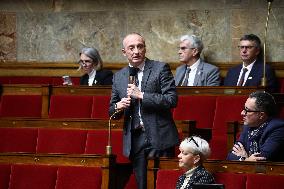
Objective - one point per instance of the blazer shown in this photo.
(254, 78)
(271, 141)
(159, 98)
(206, 75)
(103, 77)
(200, 175)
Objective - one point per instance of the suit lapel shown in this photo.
(97, 78)
(146, 73)
(180, 75)
(198, 74)
(255, 71)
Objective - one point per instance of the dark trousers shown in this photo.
(140, 155)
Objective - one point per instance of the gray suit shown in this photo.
(206, 75)
(158, 99)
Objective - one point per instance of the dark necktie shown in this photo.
(185, 78)
(242, 77)
(135, 103)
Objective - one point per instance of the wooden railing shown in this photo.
(14, 68)
(216, 166)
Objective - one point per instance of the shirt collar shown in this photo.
(195, 65)
(249, 67)
(92, 74)
(141, 66)
(190, 172)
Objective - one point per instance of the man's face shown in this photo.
(186, 53)
(86, 63)
(251, 116)
(248, 51)
(134, 49)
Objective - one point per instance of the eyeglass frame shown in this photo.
(85, 62)
(249, 47)
(246, 110)
(185, 48)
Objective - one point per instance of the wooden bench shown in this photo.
(215, 167)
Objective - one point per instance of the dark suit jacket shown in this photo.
(159, 97)
(200, 175)
(255, 74)
(103, 77)
(271, 142)
(206, 75)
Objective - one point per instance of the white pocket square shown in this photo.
(250, 78)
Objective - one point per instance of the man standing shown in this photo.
(194, 71)
(262, 134)
(146, 102)
(250, 72)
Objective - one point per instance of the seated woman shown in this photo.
(92, 65)
(193, 152)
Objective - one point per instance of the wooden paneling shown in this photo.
(10, 68)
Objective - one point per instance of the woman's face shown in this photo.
(86, 63)
(187, 160)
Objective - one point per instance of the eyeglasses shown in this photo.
(192, 139)
(84, 62)
(245, 47)
(184, 48)
(246, 110)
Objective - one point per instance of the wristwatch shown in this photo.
(242, 158)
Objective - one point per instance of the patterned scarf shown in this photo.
(254, 136)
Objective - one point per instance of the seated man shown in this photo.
(262, 137)
(194, 71)
(193, 152)
(250, 72)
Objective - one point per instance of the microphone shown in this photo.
(263, 79)
(132, 74)
(109, 147)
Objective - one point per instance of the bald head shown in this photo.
(134, 49)
(132, 36)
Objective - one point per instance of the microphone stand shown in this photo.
(263, 79)
(109, 147)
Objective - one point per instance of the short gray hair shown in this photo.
(194, 41)
(198, 146)
(94, 55)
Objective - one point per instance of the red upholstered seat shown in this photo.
(198, 108)
(68, 106)
(281, 85)
(231, 180)
(79, 177)
(33, 177)
(100, 107)
(97, 141)
(61, 141)
(31, 80)
(167, 179)
(255, 181)
(228, 108)
(21, 106)
(18, 139)
(4, 80)
(5, 171)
